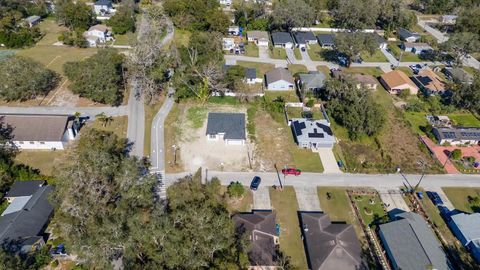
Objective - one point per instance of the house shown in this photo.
(282, 40)
(327, 41)
(261, 228)
(251, 76)
(381, 41)
(228, 44)
(303, 39)
(103, 7)
(457, 135)
(98, 34)
(411, 245)
(408, 36)
(279, 79)
(312, 134)
(466, 227)
(33, 20)
(23, 189)
(367, 81)
(330, 246)
(225, 2)
(396, 81)
(448, 19)
(458, 75)
(227, 126)
(41, 131)
(22, 229)
(259, 38)
(429, 82)
(234, 30)
(312, 81)
(416, 48)
(439, 120)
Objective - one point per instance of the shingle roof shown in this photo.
(36, 127)
(312, 79)
(25, 188)
(330, 246)
(468, 224)
(258, 35)
(232, 124)
(412, 244)
(404, 33)
(326, 39)
(251, 73)
(278, 74)
(396, 78)
(281, 38)
(303, 37)
(99, 27)
(428, 79)
(103, 3)
(379, 38)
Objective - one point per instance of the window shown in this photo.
(32, 142)
(42, 142)
(212, 136)
(20, 142)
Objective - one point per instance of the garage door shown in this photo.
(234, 142)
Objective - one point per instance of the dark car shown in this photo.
(255, 183)
(434, 197)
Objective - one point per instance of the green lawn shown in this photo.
(196, 116)
(278, 53)
(125, 39)
(459, 198)
(374, 71)
(305, 159)
(50, 30)
(316, 52)
(294, 69)
(324, 69)
(464, 119)
(298, 54)
(416, 120)
(406, 56)
(251, 50)
(286, 206)
(118, 125)
(260, 67)
(408, 71)
(288, 96)
(378, 56)
(370, 211)
(44, 160)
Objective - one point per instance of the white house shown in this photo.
(98, 34)
(228, 44)
(449, 19)
(260, 38)
(229, 127)
(282, 40)
(251, 76)
(103, 7)
(37, 132)
(225, 2)
(312, 134)
(234, 30)
(279, 79)
(33, 20)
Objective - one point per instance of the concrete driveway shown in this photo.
(442, 195)
(328, 160)
(261, 198)
(393, 199)
(307, 199)
(263, 52)
(290, 55)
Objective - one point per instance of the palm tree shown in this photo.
(104, 119)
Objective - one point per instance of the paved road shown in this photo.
(157, 154)
(85, 111)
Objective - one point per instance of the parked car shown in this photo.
(291, 171)
(434, 197)
(255, 183)
(303, 49)
(420, 195)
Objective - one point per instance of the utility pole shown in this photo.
(278, 175)
(174, 154)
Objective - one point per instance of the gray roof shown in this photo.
(281, 38)
(30, 221)
(304, 37)
(313, 131)
(278, 74)
(326, 39)
(459, 75)
(232, 124)
(380, 40)
(36, 127)
(261, 226)
(103, 3)
(313, 80)
(468, 224)
(251, 73)
(404, 33)
(25, 188)
(17, 204)
(33, 19)
(330, 246)
(258, 35)
(412, 244)
(457, 133)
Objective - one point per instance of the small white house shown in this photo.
(36, 132)
(449, 19)
(251, 76)
(229, 127)
(279, 79)
(225, 2)
(103, 7)
(98, 34)
(259, 38)
(234, 30)
(228, 44)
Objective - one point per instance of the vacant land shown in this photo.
(45, 161)
(117, 125)
(278, 53)
(50, 30)
(181, 37)
(461, 198)
(260, 67)
(238, 205)
(286, 206)
(374, 71)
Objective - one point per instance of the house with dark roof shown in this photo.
(466, 227)
(312, 81)
(260, 227)
(416, 48)
(303, 39)
(407, 35)
(103, 7)
(33, 20)
(326, 41)
(457, 135)
(229, 127)
(282, 40)
(330, 246)
(279, 79)
(251, 76)
(458, 75)
(41, 131)
(23, 188)
(411, 245)
(23, 230)
(312, 134)
(381, 41)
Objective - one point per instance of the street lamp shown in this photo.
(175, 147)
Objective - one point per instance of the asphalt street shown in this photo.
(84, 111)
(157, 154)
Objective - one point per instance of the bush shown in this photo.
(456, 154)
(235, 190)
(310, 103)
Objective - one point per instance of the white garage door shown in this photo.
(234, 142)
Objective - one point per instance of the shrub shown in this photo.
(456, 154)
(235, 189)
(310, 103)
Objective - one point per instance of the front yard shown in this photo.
(251, 50)
(406, 56)
(45, 161)
(377, 56)
(316, 52)
(260, 67)
(278, 53)
(463, 198)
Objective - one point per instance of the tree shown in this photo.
(24, 79)
(352, 44)
(235, 190)
(74, 15)
(73, 38)
(99, 77)
(467, 96)
(393, 15)
(292, 13)
(124, 19)
(469, 20)
(356, 14)
(456, 154)
(203, 15)
(461, 44)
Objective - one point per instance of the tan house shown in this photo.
(259, 38)
(396, 82)
(367, 81)
(430, 82)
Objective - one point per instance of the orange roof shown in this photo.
(397, 78)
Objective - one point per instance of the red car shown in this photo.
(291, 171)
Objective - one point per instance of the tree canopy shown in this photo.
(124, 19)
(22, 78)
(461, 44)
(356, 14)
(352, 44)
(468, 95)
(99, 77)
(14, 33)
(292, 13)
(74, 15)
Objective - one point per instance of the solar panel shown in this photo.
(449, 135)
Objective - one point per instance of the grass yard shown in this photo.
(317, 53)
(172, 132)
(416, 121)
(51, 31)
(125, 39)
(286, 206)
(44, 160)
(288, 96)
(196, 116)
(260, 67)
(324, 69)
(459, 198)
(251, 50)
(406, 56)
(238, 205)
(295, 68)
(305, 159)
(150, 111)
(374, 71)
(298, 54)
(118, 126)
(370, 207)
(408, 71)
(378, 56)
(278, 53)
(466, 120)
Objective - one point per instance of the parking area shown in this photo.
(393, 199)
(443, 196)
(307, 198)
(328, 160)
(261, 198)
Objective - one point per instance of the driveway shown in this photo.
(393, 199)
(263, 52)
(307, 199)
(442, 195)
(390, 57)
(328, 160)
(290, 55)
(261, 198)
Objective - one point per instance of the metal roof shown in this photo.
(312, 79)
(231, 124)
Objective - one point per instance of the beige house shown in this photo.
(260, 38)
(396, 82)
